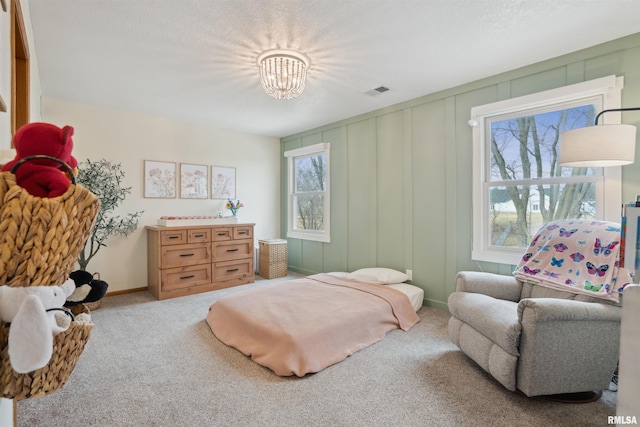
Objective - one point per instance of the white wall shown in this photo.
(130, 138)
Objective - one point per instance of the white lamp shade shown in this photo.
(598, 146)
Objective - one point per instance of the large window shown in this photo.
(308, 188)
(518, 184)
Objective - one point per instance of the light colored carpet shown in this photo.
(156, 363)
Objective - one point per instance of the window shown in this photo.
(517, 183)
(308, 190)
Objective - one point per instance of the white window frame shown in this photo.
(606, 91)
(291, 155)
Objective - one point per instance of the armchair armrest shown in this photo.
(566, 346)
(494, 285)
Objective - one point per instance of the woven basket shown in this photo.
(95, 304)
(67, 348)
(40, 241)
(41, 238)
(273, 258)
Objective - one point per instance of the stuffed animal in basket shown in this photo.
(87, 289)
(35, 319)
(43, 177)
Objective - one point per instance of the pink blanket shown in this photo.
(578, 256)
(304, 325)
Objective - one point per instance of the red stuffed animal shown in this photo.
(43, 177)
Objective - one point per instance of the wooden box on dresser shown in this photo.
(188, 260)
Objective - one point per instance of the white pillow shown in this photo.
(380, 275)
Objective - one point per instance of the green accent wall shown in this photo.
(401, 182)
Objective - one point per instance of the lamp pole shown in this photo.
(614, 109)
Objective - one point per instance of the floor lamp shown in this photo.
(599, 145)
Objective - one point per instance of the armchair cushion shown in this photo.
(494, 318)
(557, 310)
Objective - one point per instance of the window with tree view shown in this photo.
(522, 184)
(527, 187)
(309, 192)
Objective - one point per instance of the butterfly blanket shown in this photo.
(578, 256)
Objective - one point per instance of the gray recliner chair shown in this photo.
(538, 340)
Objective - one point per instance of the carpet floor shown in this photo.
(156, 363)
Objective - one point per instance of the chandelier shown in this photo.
(283, 72)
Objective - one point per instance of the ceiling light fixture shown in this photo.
(283, 72)
(598, 145)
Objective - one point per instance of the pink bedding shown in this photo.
(302, 326)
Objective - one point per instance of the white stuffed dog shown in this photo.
(32, 327)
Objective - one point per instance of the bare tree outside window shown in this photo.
(309, 192)
(310, 184)
(518, 184)
(527, 187)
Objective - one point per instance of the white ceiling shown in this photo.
(194, 60)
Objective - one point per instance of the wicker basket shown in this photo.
(95, 304)
(273, 258)
(41, 238)
(67, 348)
(40, 241)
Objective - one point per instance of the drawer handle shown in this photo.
(232, 250)
(222, 234)
(187, 277)
(174, 237)
(198, 235)
(242, 232)
(187, 254)
(232, 270)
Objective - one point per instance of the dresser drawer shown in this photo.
(236, 249)
(184, 277)
(184, 260)
(230, 270)
(243, 232)
(173, 237)
(184, 255)
(221, 234)
(199, 235)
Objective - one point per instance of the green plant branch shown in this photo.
(104, 179)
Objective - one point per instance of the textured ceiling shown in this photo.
(194, 60)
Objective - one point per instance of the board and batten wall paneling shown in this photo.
(361, 205)
(416, 157)
(430, 217)
(334, 254)
(390, 130)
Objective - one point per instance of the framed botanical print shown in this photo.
(223, 182)
(159, 179)
(194, 181)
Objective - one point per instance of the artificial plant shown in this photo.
(104, 179)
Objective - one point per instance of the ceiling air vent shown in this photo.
(377, 91)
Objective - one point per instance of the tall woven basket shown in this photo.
(40, 241)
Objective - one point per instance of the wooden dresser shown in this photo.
(188, 260)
